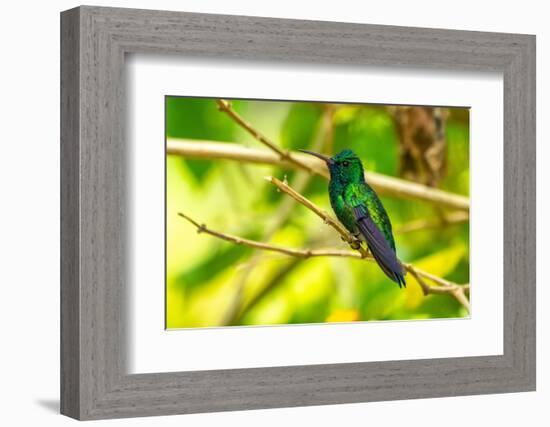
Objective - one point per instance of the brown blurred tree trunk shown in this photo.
(423, 147)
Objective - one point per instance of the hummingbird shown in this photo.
(360, 210)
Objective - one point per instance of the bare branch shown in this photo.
(383, 184)
(457, 217)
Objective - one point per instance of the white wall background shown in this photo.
(29, 224)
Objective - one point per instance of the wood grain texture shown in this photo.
(95, 238)
(70, 292)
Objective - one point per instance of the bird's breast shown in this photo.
(342, 211)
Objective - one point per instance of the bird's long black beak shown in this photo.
(327, 160)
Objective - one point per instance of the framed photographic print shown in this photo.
(262, 213)
(409, 141)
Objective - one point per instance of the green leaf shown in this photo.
(197, 118)
(371, 134)
(221, 258)
(300, 125)
(440, 264)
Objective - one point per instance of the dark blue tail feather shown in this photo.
(383, 254)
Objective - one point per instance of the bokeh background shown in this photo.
(210, 282)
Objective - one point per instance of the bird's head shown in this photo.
(345, 167)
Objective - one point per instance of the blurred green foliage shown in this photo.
(210, 282)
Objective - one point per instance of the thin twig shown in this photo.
(300, 253)
(327, 219)
(225, 106)
(436, 279)
(384, 185)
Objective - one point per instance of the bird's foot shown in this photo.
(356, 243)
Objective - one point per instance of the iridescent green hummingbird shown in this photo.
(359, 209)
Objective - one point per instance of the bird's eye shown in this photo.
(345, 163)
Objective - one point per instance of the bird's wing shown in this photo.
(378, 245)
(380, 217)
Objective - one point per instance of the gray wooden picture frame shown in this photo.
(94, 381)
